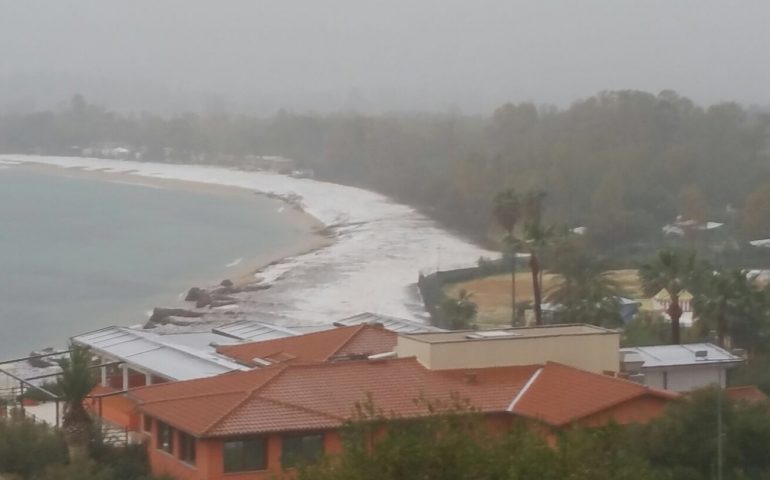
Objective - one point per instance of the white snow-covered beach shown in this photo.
(373, 264)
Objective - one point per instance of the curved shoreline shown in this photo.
(246, 267)
(372, 265)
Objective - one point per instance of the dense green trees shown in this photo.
(585, 291)
(454, 443)
(622, 163)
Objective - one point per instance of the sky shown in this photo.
(377, 55)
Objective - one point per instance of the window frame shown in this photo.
(162, 430)
(244, 455)
(187, 444)
(303, 458)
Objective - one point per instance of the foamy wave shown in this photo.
(234, 262)
(372, 266)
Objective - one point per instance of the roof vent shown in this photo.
(701, 354)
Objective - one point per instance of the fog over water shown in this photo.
(259, 56)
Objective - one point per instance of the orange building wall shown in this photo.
(209, 454)
(209, 458)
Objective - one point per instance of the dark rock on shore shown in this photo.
(204, 298)
(193, 294)
(227, 283)
(254, 287)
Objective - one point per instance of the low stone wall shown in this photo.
(431, 285)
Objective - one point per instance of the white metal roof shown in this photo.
(394, 324)
(255, 331)
(681, 355)
(152, 353)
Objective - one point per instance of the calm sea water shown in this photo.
(78, 254)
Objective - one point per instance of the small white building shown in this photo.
(680, 368)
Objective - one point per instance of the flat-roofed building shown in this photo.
(680, 368)
(586, 347)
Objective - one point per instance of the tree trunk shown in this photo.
(721, 330)
(513, 289)
(534, 266)
(76, 427)
(675, 312)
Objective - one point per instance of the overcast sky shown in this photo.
(376, 55)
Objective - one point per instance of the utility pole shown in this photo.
(719, 429)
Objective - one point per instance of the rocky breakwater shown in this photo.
(204, 302)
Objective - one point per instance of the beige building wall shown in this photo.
(594, 352)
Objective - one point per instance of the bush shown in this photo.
(27, 448)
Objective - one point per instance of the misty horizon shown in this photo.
(375, 56)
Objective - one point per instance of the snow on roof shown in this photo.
(394, 324)
(152, 353)
(680, 355)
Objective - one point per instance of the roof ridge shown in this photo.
(523, 390)
(300, 407)
(640, 390)
(249, 395)
(189, 397)
(356, 331)
(277, 369)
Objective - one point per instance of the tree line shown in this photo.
(456, 443)
(621, 163)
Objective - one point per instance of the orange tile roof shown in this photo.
(559, 395)
(747, 393)
(323, 395)
(320, 346)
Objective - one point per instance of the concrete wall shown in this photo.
(686, 378)
(592, 352)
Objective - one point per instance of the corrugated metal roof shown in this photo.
(152, 353)
(255, 331)
(680, 355)
(394, 324)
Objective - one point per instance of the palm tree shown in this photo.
(727, 301)
(672, 271)
(586, 291)
(507, 211)
(75, 383)
(537, 238)
(459, 312)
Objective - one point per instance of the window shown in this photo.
(301, 449)
(245, 455)
(165, 438)
(147, 424)
(187, 448)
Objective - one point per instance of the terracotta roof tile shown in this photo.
(747, 393)
(263, 415)
(323, 395)
(315, 347)
(560, 394)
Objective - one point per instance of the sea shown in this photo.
(78, 254)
